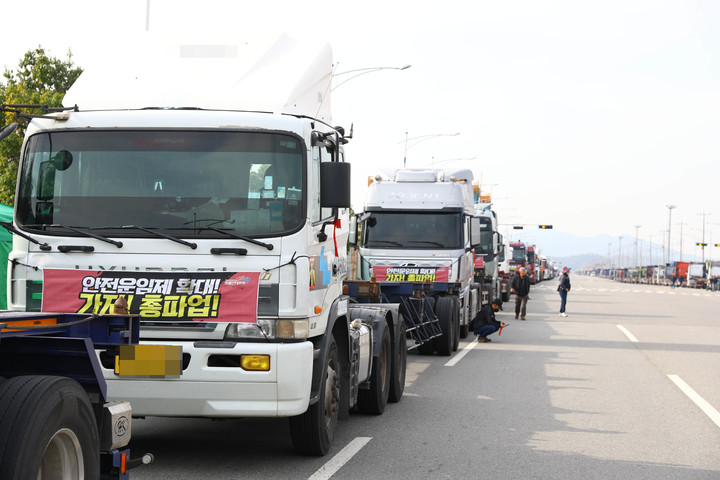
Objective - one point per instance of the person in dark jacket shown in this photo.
(520, 286)
(563, 289)
(485, 324)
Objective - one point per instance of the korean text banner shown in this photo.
(175, 296)
(411, 274)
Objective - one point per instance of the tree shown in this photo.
(39, 79)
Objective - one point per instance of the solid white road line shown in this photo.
(340, 459)
(458, 356)
(627, 333)
(708, 409)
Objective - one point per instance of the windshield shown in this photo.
(518, 255)
(245, 183)
(413, 230)
(486, 237)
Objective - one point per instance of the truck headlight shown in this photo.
(293, 329)
(271, 329)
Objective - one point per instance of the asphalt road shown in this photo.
(625, 387)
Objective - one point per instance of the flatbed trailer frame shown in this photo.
(46, 359)
(417, 305)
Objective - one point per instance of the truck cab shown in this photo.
(417, 226)
(489, 251)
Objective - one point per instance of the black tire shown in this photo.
(374, 399)
(312, 432)
(47, 427)
(447, 314)
(428, 347)
(398, 368)
(456, 335)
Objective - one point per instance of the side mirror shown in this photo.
(7, 130)
(352, 238)
(335, 185)
(46, 183)
(474, 231)
(62, 160)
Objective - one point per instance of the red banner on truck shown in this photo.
(411, 274)
(186, 296)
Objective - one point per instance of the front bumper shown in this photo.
(208, 391)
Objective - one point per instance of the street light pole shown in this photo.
(422, 138)
(670, 209)
(637, 227)
(363, 71)
(703, 235)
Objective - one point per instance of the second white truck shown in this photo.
(418, 225)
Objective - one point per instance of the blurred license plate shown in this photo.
(149, 360)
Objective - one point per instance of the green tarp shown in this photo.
(6, 215)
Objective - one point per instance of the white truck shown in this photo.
(418, 225)
(209, 190)
(696, 277)
(487, 253)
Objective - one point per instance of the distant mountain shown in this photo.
(578, 262)
(577, 252)
(559, 244)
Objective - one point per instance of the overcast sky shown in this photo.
(590, 116)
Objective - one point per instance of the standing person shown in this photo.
(484, 323)
(520, 286)
(564, 288)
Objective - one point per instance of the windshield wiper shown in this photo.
(233, 235)
(80, 231)
(10, 228)
(160, 234)
(397, 244)
(437, 244)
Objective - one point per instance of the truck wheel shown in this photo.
(47, 430)
(312, 432)
(447, 314)
(456, 336)
(374, 399)
(399, 364)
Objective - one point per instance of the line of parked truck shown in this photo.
(224, 226)
(678, 274)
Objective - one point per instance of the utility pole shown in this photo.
(620, 252)
(681, 235)
(703, 235)
(670, 209)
